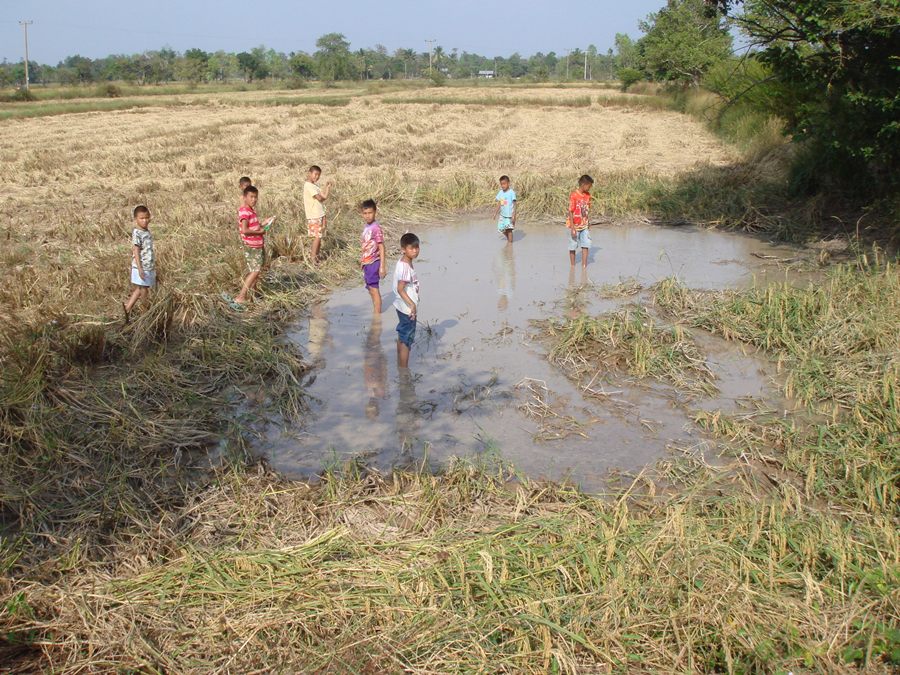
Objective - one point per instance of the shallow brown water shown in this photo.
(476, 362)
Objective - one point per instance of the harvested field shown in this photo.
(122, 549)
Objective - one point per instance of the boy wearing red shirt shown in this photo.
(253, 235)
(578, 220)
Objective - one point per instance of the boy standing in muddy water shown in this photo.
(505, 214)
(314, 206)
(372, 257)
(406, 297)
(578, 220)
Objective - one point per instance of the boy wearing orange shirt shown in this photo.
(578, 220)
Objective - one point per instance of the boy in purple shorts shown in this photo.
(372, 258)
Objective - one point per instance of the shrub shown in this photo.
(628, 76)
(109, 90)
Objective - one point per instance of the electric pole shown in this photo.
(585, 66)
(25, 25)
(430, 44)
(568, 52)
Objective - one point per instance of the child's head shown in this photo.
(504, 183)
(585, 183)
(141, 216)
(368, 209)
(244, 183)
(251, 195)
(313, 174)
(409, 244)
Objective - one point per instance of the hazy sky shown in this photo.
(97, 28)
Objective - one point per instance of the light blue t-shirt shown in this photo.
(506, 199)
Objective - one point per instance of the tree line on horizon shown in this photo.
(333, 60)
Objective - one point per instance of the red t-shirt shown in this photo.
(251, 240)
(580, 209)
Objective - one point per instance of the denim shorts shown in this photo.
(582, 239)
(406, 329)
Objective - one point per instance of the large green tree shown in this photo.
(838, 66)
(333, 58)
(684, 40)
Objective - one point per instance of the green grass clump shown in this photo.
(630, 341)
(837, 343)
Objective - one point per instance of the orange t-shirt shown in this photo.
(579, 209)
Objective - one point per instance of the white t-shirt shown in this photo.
(405, 272)
(313, 207)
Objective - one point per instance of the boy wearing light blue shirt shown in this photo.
(506, 209)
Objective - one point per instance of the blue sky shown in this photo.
(95, 28)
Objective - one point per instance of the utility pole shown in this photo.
(430, 44)
(568, 52)
(585, 66)
(25, 25)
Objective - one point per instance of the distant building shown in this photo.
(487, 74)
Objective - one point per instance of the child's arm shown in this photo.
(401, 291)
(515, 211)
(496, 209)
(382, 270)
(246, 229)
(136, 255)
(323, 195)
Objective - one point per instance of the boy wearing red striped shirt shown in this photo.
(253, 235)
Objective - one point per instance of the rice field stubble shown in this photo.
(117, 555)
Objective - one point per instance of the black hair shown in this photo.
(315, 167)
(585, 180)
(409, 239)
(250, 190)
(368, 204)
(245, 180)
(140, 208)
(504, 177)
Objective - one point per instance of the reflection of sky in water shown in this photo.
(478, 297)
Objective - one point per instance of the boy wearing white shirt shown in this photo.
(406, 297)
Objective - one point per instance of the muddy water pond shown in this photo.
(479, 379)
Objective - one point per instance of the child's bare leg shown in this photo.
(584, 258)
(249, 284)
(316, 245)
(572, 258)
(376, 300)
(509, 235)
(402, 355)
(138, 293)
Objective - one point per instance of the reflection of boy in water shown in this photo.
(505, 277)
(318, 333)
(406, 410)
(374, 368)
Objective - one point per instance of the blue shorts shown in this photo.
(582, 239)
(406, 329)
(504, 223)
(148, 281)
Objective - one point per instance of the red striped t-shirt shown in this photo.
(251, 240)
